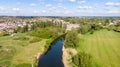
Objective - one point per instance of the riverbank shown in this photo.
(65, 57)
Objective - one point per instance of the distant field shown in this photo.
(104, 46)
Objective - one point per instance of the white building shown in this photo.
(71, 26)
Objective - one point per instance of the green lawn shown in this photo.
(104, 46)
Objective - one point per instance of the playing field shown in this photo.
(104, 46)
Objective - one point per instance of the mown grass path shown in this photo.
(104, 46)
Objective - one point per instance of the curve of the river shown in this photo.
(53, 57)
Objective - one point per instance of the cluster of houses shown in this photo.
(8, 24)
(69, 26)
(114, 22)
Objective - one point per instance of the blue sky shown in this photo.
(60, 7)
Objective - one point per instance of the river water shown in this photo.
(53, 57)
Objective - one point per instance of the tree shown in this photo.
(71, 39)
(84, 28)
(18, 29)
(25, 29)
(82, 59)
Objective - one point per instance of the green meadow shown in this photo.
(20, 49)
(103, 46)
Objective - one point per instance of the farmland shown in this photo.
(103, 46)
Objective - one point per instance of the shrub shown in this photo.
(82, 60)
(92, 31)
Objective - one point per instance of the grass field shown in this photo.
(104, 46)
(18, 49)
(27, 55)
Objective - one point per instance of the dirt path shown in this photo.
(65, 57)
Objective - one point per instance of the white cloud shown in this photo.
(113, 11)
(16, 9)
(81, 1)
(67, 12)
(52, 9)
(1, 8)
(44, 11)
(4, 10)
(60, 6)
(36, 12)
(32, 4)
(49, 5)
(72, 0)
(84, 7)
(112, 4)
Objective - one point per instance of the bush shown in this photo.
(92, 31)
(82, 60)
(84, 28)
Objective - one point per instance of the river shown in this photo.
(53, 57)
